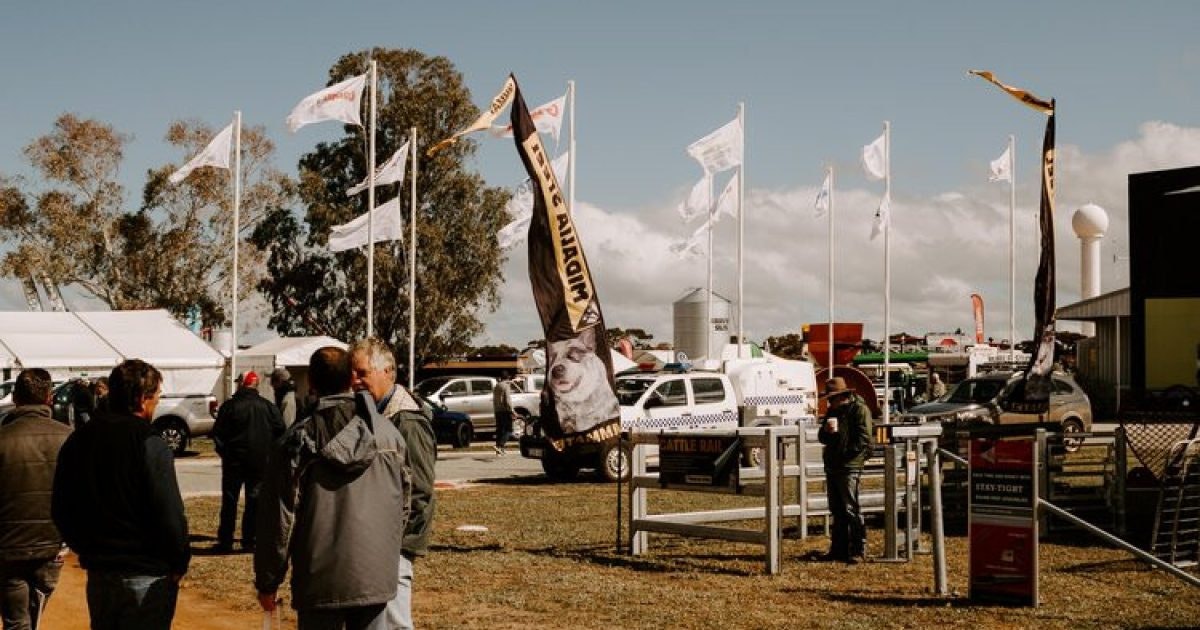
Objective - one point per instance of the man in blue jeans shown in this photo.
(116, 502)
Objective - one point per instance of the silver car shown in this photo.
(980, 398)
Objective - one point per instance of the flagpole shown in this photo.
(887, 271)
(741, 222)
(831, 206)
(371, 212)
(571, 147)
(708, 327)
(237, 202)
(412, 259)
(1012, 248)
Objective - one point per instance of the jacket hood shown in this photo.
(343, 431)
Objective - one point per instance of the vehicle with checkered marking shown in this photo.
(649, 402)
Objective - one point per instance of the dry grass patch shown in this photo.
(548, 560)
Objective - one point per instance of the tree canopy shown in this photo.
(458, 268)
(73, 225)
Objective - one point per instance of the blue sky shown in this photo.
(817, 80)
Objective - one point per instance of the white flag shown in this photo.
(727, 202)
(882, 217)
(822, 203)
(695, 244)
(721, 149)
(520, 206)
(874, 160)
(699, 200)
(215, 154)
(1002, 168)
(388, 227)
(389, 172)
(547, 119)
(336, 102)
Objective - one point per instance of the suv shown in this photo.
(472, 395)
(178, 418)
(649, 402)
(979, 399)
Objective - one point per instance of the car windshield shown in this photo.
(430, 386)
(629, 390)
(976, 391)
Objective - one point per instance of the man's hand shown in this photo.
(267, 601)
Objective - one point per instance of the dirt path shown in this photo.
(67, 609)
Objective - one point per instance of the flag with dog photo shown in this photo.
(579, 400)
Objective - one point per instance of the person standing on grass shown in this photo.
(31, 549)
(503, 411)
(846, 434)
(285, 394)
(246, 426)
(334, 504)
(116, 502)
(374, 370)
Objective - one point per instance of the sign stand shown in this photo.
(1003, 516)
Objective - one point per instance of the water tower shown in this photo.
(1089, 222)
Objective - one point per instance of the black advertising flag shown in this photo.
(579, 401)
(1034, 396)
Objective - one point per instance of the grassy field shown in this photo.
(548, 559)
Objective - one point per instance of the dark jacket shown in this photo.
(29, 443)
(247, 425)
(849, 448)
(334, 500)
(116, 500)
(421, 446)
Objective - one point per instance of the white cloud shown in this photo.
(943, 248)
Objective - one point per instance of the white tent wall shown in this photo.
(188, 364)
(70, 344)
(292, 353)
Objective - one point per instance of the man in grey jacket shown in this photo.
(335, 503)
(374, 370)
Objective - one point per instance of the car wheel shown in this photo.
(1071, 443)
(560, 468)
(463, 434)
(615, 462)
(174, 432)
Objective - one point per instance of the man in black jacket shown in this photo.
(246, 427)
(31, 548)
(117, 504)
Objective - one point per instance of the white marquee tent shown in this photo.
(91, 343)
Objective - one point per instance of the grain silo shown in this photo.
(690, 313)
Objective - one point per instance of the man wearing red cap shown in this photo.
(246, 427)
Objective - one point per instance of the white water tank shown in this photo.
(1090, 222)
(691, 335)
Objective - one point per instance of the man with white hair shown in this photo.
(374, 370)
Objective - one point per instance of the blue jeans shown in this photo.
(399, 610)
(123, 601)
(24, 588)
(358, 618)
(848, 536)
